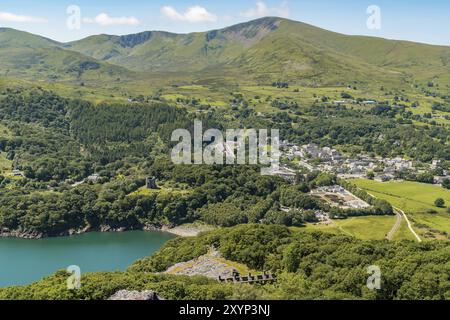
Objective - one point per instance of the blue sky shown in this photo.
(416, 20)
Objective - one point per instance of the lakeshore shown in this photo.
(23, 261)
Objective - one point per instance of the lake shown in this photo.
(24, 261)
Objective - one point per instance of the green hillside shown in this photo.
(258, 52)
(271, 48)
(15, 38)
(32, 57)
(262, 51)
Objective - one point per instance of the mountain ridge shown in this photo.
(269, 44)
(263, 50)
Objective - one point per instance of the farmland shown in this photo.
(366, 228)
(417, 200)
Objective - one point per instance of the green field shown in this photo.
(366, 228)
(144, 191)
(5, 164)
(416, 199)
(403, 233)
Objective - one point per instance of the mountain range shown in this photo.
(261, 50)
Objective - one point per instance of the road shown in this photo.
(396, 226)
(406, 218)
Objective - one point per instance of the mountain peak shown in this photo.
(271, 23)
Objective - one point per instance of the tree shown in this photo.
(291, 257)
(383, 206)
(440, 203)
(425, 178)
(446, 183)
(345, 95)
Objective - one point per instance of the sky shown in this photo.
(416, 20)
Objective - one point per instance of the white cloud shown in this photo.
(105, 20)
(11, 17)
(262, 10)
(193, 14)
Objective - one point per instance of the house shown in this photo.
(310, 150)
(384, 178)
(436, 164)
(93, 178)
(322, 216)
(440, 180)
(335, 156)
(17, 173)
(285, 173)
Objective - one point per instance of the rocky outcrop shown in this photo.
(135, 295)
(29, 234)
(210, 265)
(106, 228)
(20, 233)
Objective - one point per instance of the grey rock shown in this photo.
(135, 295)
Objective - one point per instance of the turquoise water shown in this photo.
(25, 261)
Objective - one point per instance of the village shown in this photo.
(326, 159)
(296, 160)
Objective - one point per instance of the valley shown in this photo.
(85, 145)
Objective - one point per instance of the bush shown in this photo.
(440, 203)
(446, 183)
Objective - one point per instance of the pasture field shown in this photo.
(366, 228)
(417, 200)
(403, 233)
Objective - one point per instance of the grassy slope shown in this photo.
(244, 57)
(32, 57)
(403, 233)
(366, 228)
(259, 51)
(415, 199)
(5, 164)
(270, 48)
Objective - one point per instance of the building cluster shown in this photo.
(311, 151)
(326, 159)
(337, 196)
